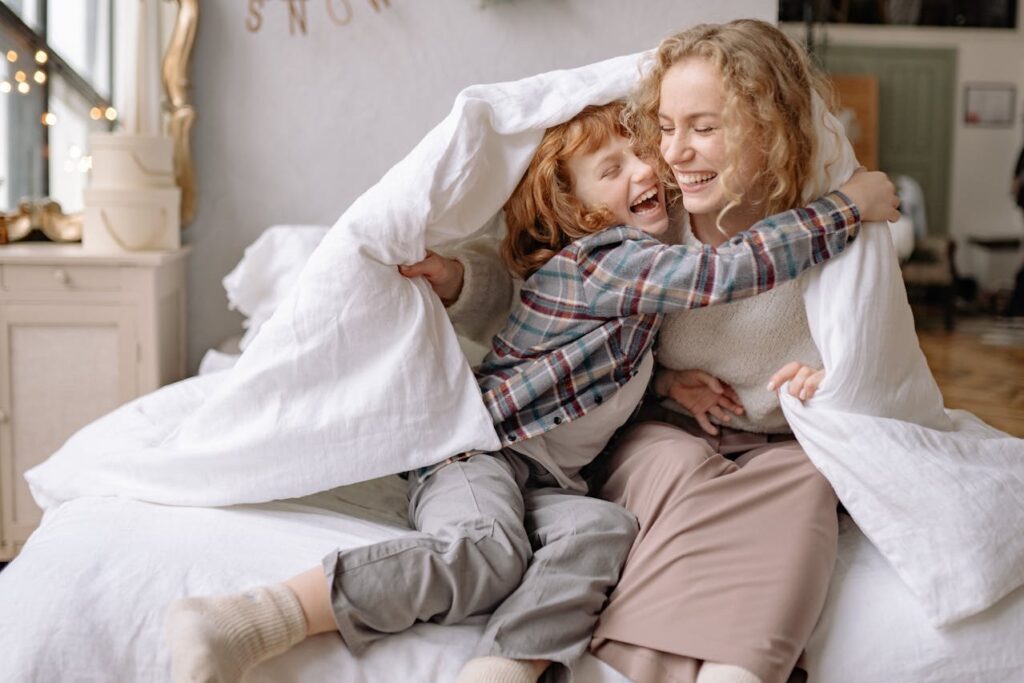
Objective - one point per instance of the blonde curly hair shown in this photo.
(768, 82)
(543, 215)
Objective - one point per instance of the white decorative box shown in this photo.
(132, 220)
(120, 160)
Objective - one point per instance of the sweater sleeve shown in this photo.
(644, 276)
(488, 290)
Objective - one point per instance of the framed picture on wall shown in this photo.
(989, 104)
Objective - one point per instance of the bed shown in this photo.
(85, 599)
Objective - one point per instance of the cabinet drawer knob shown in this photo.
(60, 276)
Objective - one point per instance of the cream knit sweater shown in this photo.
(742, 343)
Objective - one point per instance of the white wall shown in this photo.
(291, 129)
(982, 158)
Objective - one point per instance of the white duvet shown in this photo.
(358, 374)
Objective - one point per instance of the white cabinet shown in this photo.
(80, 334)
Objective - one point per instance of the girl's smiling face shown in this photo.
(615, 178)
(690, 115)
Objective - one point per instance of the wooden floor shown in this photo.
(980, 368)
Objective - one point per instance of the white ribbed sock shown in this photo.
(713, 672)
(215, 639)
(497, 670)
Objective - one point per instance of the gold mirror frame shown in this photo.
(174, 72)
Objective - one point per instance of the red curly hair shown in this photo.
(543, 214)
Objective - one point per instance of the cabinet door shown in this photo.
(61, 366)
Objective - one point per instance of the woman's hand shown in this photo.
(874, 195)
(445, 275)
(699, 393)
(803, 379)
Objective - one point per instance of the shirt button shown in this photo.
(558, 420)
(598, 400)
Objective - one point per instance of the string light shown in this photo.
(74, 152)
(85, 164)
(22, 84)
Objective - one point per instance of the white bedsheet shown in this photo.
(358, 372)
(873, 630)
(85, 599)
(268, 272)
(940, 493)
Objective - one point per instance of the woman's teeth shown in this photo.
(695, 178)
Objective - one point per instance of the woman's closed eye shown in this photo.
(609, 172)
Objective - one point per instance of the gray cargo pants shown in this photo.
(479, 521)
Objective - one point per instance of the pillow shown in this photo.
(268, 270)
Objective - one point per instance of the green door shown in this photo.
(916, 105)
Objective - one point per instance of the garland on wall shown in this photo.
(339, 12)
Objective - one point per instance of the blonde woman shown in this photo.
(735, 553)
(738, 530)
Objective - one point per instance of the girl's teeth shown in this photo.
(644, 197)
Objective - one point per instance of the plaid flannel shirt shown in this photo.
(584, 321)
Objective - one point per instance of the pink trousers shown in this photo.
(732, 562)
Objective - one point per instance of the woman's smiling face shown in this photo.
(693, 142)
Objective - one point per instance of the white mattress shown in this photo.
(85, 600)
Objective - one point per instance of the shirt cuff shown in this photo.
(843, 204)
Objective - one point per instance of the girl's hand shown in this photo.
(699, 393)
(445, 275)
(803, 379)
(874, 195)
